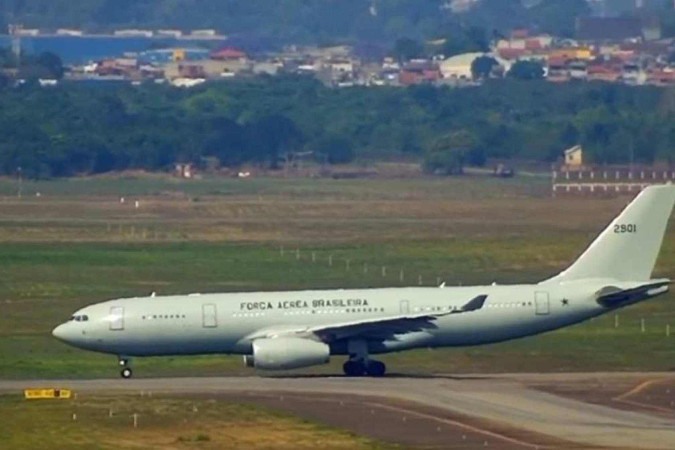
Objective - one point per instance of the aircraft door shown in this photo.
(209, 318)
(405, 307)
(116, 318)
(541, 303)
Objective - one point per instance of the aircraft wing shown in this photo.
(615, 297)
(373, 328)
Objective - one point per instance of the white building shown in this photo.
(459, 66)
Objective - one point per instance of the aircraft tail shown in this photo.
(627, 249)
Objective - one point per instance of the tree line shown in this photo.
(298, 20)
(80, 128)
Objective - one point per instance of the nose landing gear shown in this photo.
(126, 372)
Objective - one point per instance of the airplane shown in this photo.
(298, 329)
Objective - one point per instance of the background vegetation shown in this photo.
(82, 129)
(296, 20)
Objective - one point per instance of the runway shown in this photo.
(507, 400)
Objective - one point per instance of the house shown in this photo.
(132, 32)
(170, 33)
(604, 72)
(185, 170)
(68, 32)
(571, 53)
(459, 66)
(209, 68)
(557, 70)
(419, 71)
(574, 157)
(228, 54)
(661, 77)
(204, 33)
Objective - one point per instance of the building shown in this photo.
(69, 32)
(459, 66)
(574, 157)
(163, 56)
(132, 32)
(205, 69)
(228, 54)
(170, 33)
(418, 72)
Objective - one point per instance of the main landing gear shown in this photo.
(126, 371)
(359, 368)
(359, 364)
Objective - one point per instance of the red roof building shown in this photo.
(228, 53)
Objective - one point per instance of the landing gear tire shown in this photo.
(354, 368)
(126, 373)
(376, 368)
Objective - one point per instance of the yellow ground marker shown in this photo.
(36, 394)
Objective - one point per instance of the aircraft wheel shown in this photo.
(353, 368)
(126, 373)
(376, 368)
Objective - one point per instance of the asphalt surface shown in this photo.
(502, 399)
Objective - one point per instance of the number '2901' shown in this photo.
(625, 228)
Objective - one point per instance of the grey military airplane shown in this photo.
(289, 330)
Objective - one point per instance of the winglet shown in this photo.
(474, 304)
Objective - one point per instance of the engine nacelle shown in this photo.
(287, 353)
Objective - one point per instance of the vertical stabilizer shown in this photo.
(627, 249)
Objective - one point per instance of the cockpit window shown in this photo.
(80, 318)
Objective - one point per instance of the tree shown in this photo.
(406, 49)
(449, 153)
(482, 67)
(272, 135)
(466, 40)
(558, 17)
(4, 81)
(527, 70)
(51, 63)
(334, 150)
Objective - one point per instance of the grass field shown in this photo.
(77, 244)
(100, 422)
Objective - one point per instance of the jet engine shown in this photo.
(287, 353)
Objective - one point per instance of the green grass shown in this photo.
(106, 422)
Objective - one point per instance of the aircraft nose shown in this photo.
(61, 332)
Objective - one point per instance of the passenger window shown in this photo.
(85, 318)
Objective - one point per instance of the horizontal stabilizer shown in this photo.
(615, 297)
